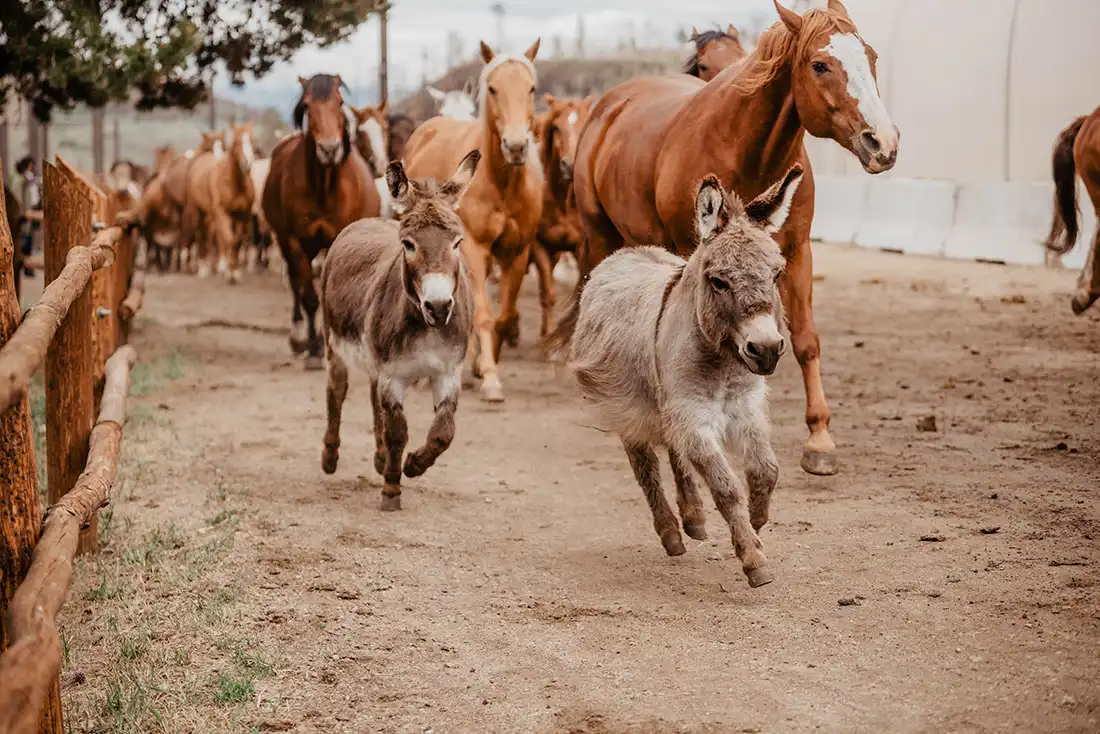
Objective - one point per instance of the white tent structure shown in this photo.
(979, 90)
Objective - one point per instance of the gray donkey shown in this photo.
(397, 303)
(673, 353)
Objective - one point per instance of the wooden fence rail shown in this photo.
(77, 331)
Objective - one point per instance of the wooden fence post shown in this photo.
(70, 410)
(20, 511)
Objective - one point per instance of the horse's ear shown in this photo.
(791, 19)
(453, 190)
(548, 99)
(382, 107)
(770, 209)
(486, 52)
(304, 82)
(396, 180)
(731, 31)
(340, 82)
(589, 101)
(533, 51)
(838, 6)
(436, 94)
(694, 34)
(468, 88)
(712, 210)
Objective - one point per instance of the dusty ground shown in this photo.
(523, 589)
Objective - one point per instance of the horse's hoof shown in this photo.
(673, 543)
(390, 503)
(696, 530)
(819, 463)
(759, 576)
(469, 382)
(328, 461)
(297, 345)
(313, 363)
(1082, 301)
(492, 393)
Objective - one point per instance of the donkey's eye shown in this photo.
(718, 284)
(410, 248)
(457, 243)
(777, 276)
(819, 67)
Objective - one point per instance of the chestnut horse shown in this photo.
(1077, 151)
(715, 51)
(502, 208)
(650, 139)
(221, 191)
(318, 184)
(172, 203)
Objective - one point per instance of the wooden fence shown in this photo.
(78, 329)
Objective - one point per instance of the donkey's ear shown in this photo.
(397, 181)
(533, 51)
(436, 94)
(770, 209)
(791, 19)
(460, 181)
(486, 52)
(731, 31)
(712, 211)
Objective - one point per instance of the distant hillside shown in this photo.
(560, 77)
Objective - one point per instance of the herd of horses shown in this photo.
(687, 201)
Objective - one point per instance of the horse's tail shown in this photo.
(1063, 230)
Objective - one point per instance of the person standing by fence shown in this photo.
(32, 201)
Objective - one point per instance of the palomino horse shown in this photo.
(458, 104)
(502, 207)
(651, 138)
(318, 185)
(220, 188)
(715, 51)
(1077, 150)
(172, 204)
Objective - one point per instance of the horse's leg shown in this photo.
(688, 500)
(222, 233)
(545, 267)
(335, 393)
(391, 396)
(308, 294)
(477, 259)
(298, 341)
(796, 286)
(708, 457)
(511, 280)
(445, 397)
(1088, 283)
(647, 471)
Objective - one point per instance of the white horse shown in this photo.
(458, 105)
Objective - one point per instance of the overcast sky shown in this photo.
(418, 27)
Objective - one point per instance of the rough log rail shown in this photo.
(25, 352)
(33, 660)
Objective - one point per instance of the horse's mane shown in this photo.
(702, 40)
(778, 46)
(320, 87)
(483, 80)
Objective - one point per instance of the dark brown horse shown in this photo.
(318, 184)
(1077, 152)
(401, 128)
(715, 51)
(651, 139)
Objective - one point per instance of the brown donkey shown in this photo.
(1077, 152)
(649, 138)
(221, 191)
(502, 209)
(397, 303)
(715, 51)
(673, 354)
(318, 184)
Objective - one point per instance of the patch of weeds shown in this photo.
(214, 607)
(181, 656)
(156, 546)
(148, 377)
(38, 427)
(104, 591)
(64, 648)
(132, 647)
(130, 705)
(106, 525)
(229, 516)
(233, 688)
(139, 415)
(206, 555)
(249, 658)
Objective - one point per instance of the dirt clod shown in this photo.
(927, 424)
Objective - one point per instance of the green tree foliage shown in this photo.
(57, 53)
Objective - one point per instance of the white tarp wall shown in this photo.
(979, 90)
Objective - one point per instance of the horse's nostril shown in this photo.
(870, 142)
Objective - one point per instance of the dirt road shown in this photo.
(946, 580)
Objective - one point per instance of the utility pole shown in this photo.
(497, 9)
(384, 61)
(580, 36)
(117, 139)
(213, 106)
(97, 142)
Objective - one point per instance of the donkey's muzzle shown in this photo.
(438, 311)
(763, 357)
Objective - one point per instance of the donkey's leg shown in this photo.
(708, 456)
(545, 267)
(511, 280)
(391, 396)
(688, 500)
(761, 466)
(1088, 284)
(477, 259)
(445, 396)
(647, 471)
(379, 430)
(335, 393)
(796, 286)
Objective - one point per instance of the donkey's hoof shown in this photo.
(313, 363)
(390, 503)
(696, 530)
(297, 345)
(759, 576)
(492, 393)
(673, 543)
(329, 460)
(379, 462)
(819, 463)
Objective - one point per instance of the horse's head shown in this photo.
(213, 141)
(561, 130)
(738, 265)
(715, 50)
(372, 129)
(506, 93)
(431, 233)
(320, 113)
(834, 83)
(243, 147)
(458, 104)
(162, 158)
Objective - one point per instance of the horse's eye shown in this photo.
(493, 91)
(410, 248)
(718, 284)
(820, 67)
(532, 92)
(702, 68)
